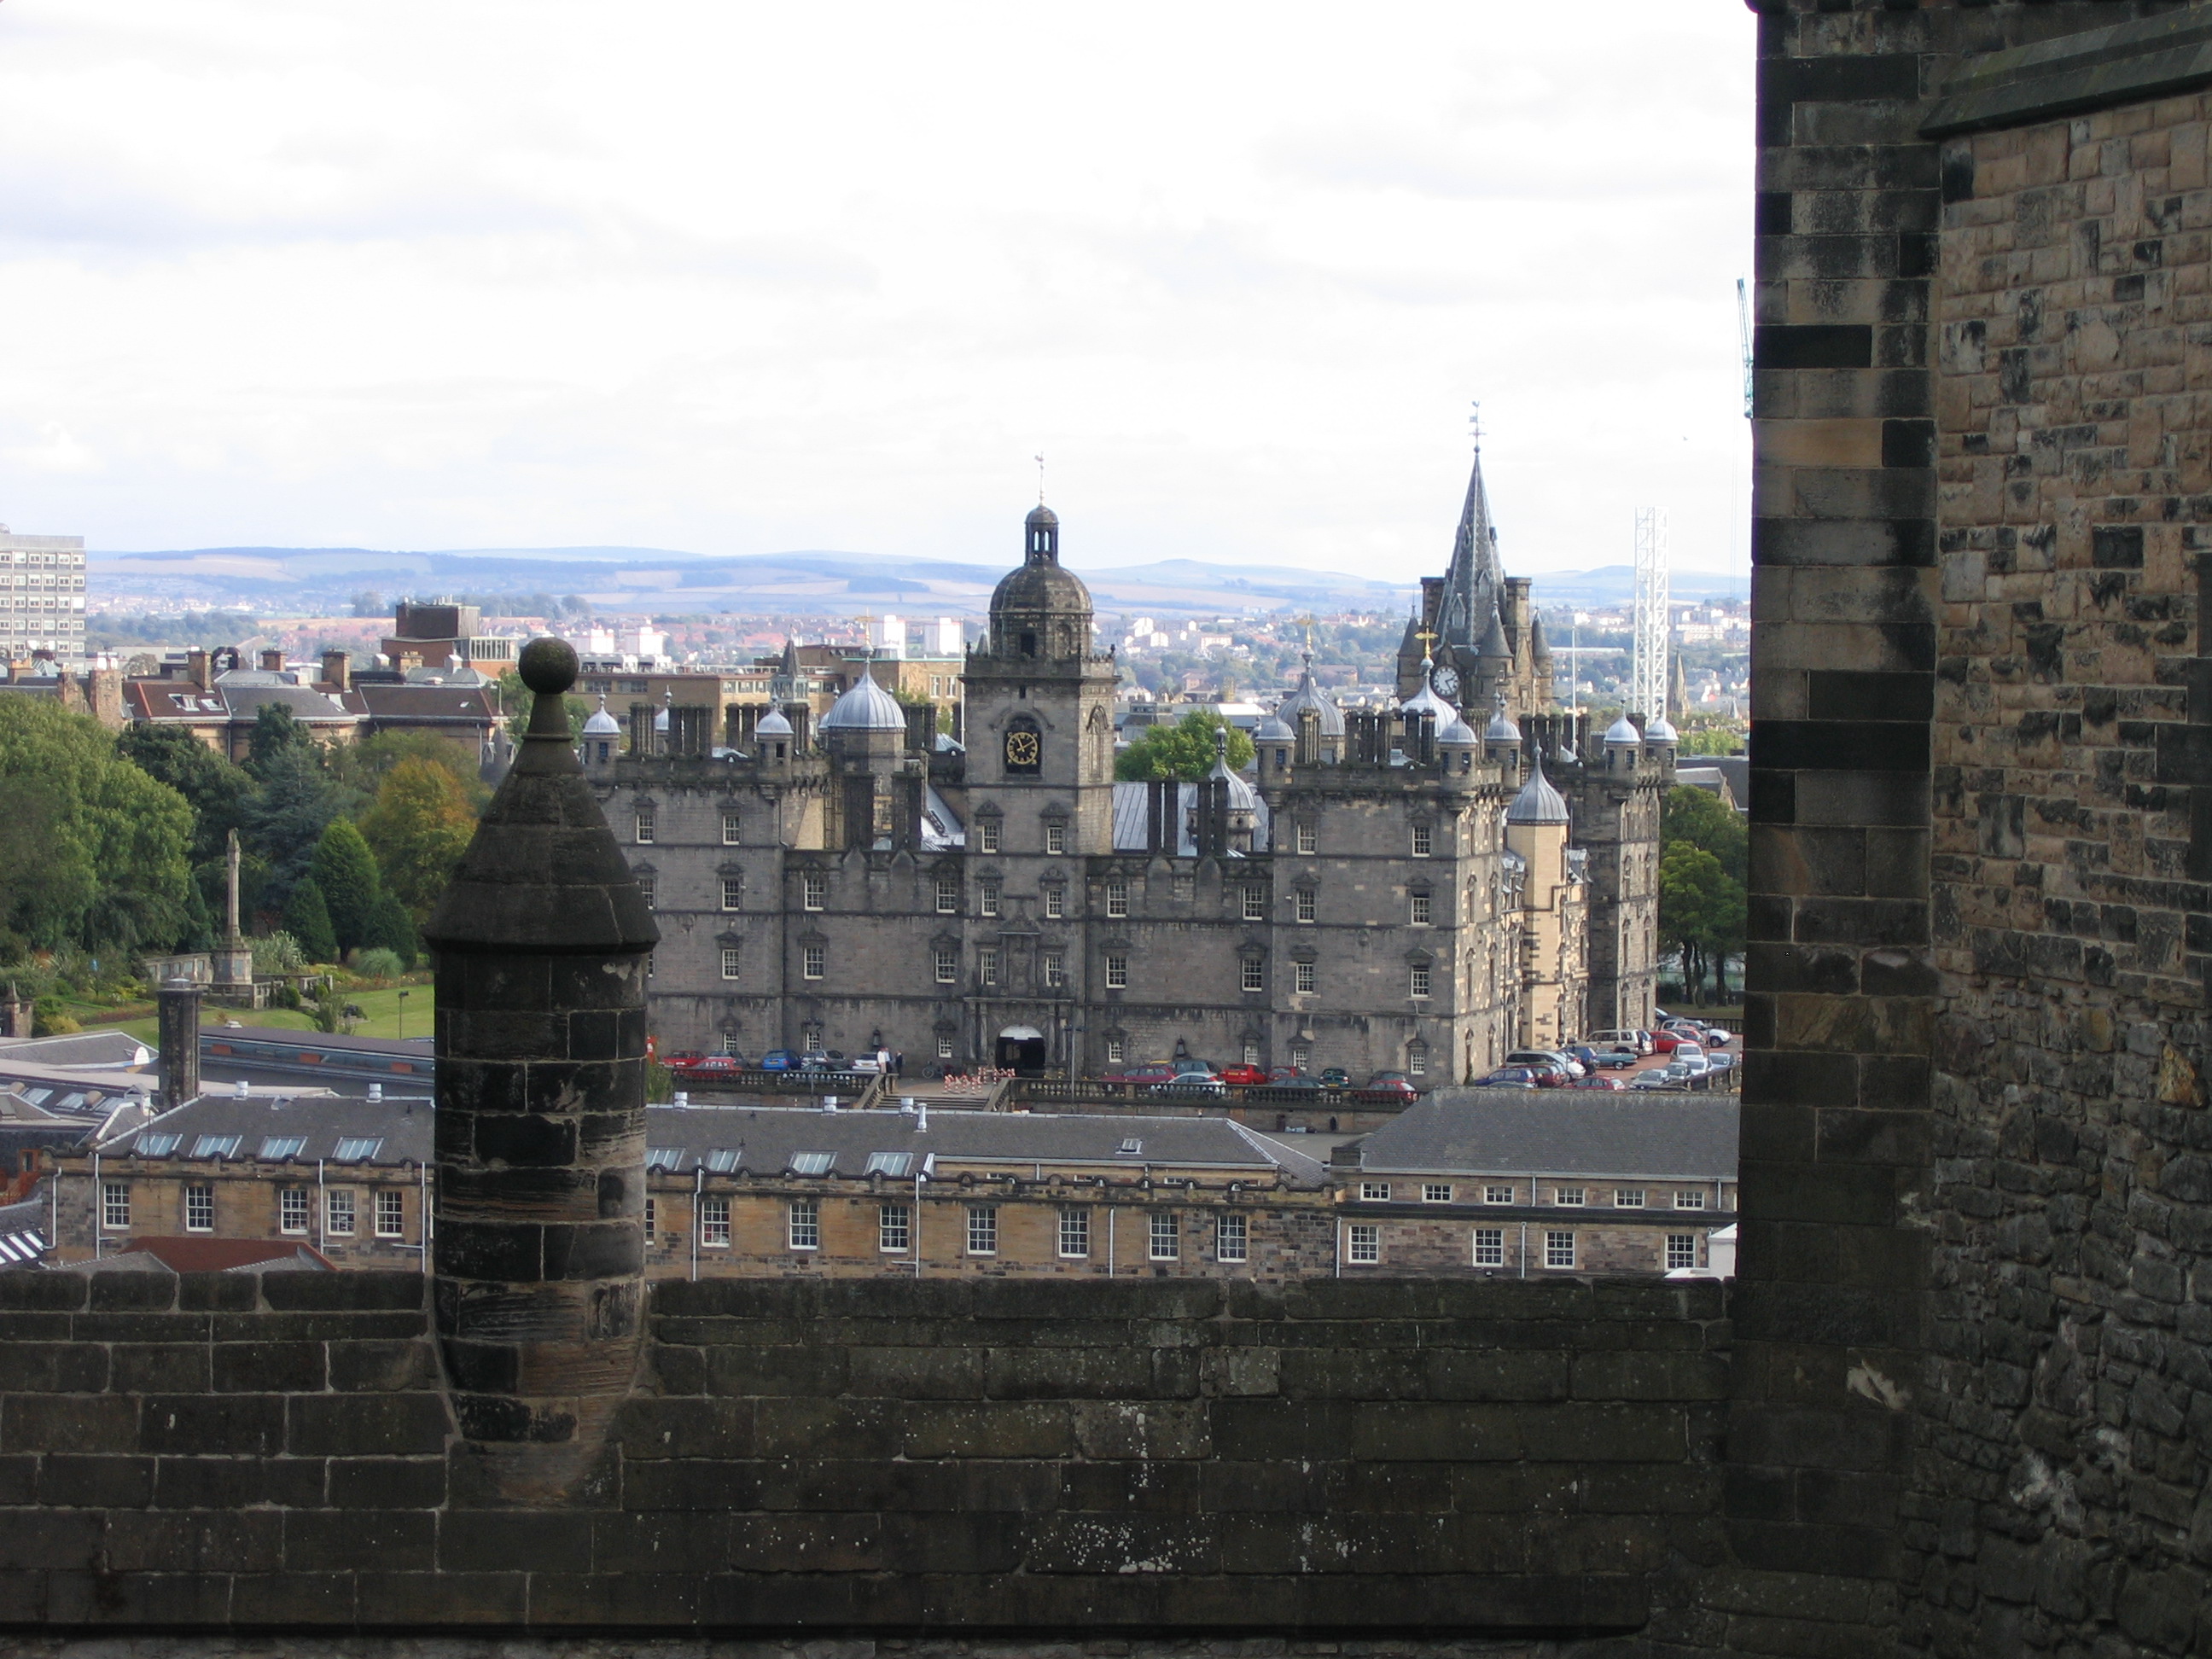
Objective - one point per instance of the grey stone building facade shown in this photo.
(1362, 901)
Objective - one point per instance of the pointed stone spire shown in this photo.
(1471, 584)
(541, 944)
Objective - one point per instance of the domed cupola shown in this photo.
(865, 707)
(602, 739)
(1658, 729)
(1622, 733)
(1426, 702)
(1538, 802)
(1040, 610)
(1309, 695)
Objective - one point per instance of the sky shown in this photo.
(733, 277)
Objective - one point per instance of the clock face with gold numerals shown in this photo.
(1021, 748)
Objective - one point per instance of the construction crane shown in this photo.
(1743, 334)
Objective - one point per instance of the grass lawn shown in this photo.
(382, 1008)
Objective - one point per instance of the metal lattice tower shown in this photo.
(1647, 678)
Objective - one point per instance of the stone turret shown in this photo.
(542, 943)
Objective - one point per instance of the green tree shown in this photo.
(1701, 913)
(216, 789)
(345, 870)
(285, 817)
(392, 930)
(1184, 750)
(1712, 740)
(1700, 817)
(418, 827)
(276, 734)
(92, 849)
(308, 920)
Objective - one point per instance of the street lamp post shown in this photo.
(403, 1016)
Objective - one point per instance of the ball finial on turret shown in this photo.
(548, 667)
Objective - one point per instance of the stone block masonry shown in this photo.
(229, 1451)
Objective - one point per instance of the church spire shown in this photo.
(1470, 595)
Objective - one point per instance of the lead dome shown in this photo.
(1538, 802)
(865, 707)
(602, 724)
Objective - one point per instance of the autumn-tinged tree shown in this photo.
(418, 827)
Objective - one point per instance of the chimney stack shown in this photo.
(338, 671)
(178, 1006)
(200, 669)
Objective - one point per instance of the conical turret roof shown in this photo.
(1538, 802)
(544, 875)
(1472, 581)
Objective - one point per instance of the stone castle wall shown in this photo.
(264, 1453)
(2069, 1382)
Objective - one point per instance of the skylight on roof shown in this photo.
(664, 1157)
(1130, 1148)
(723, 1159)
(157, 1145)
(357, 1149)
(812, 1163)
(276, 1148)
(215, 1147)
(890, 1163)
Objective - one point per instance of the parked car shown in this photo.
(1688, 1070)
(708, 1065)
(1659, 1077)
(1625, 1037)
(1664, 1041)
(1543, 1057)
(1242, 1075)
(1613, 1059)
(1392, 1085)
(780, 1059)
(1287, 1076)
(1190, 1083)
(1551, 1074)
(1507, 1077)
(1151, 1071)
(1594, 1082)
(1335, 1076)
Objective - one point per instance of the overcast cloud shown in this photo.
(738, 277)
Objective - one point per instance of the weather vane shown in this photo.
(1306, 622)
(1474, 422)
(1040, 461)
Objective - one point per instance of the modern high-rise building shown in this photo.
(41, 595)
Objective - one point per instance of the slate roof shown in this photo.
(427, 705)
(218, 1255)
(1130, 819)
(1559, 1131)
(769, 1139)
(401, 1124)
(116, 1050)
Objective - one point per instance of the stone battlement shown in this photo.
(265, 1452)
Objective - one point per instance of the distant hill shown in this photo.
(666, 580)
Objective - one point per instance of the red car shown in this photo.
(1388, 1085)
(1245, 1074)
(1665, 1043)
(1158, 1071)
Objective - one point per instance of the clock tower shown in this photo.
(1039, 730)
